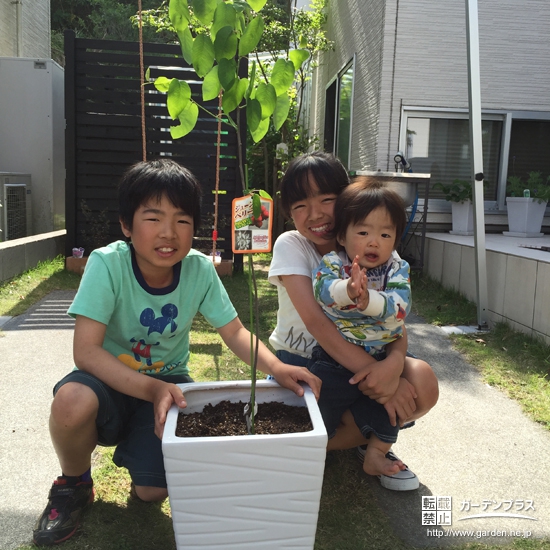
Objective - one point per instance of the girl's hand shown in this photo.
(380, 380)
(402, 404)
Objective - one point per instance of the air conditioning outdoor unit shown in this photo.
(15, 206)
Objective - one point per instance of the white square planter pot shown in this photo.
(255, 492)
(463, 218)
(525, 217)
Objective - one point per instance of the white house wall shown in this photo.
(32, 134)
(413, 53)
(8, 26)
(34, 27)
(355, 28)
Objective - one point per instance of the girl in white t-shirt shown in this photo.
(308, 190)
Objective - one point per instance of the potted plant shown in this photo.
(526, 203)
(459, 194)
(250, 491)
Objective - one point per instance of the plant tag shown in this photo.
(251, 222)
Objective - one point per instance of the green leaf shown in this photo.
(148, 74)
(251, 36)
(303, 41)
(257, 5)
(188, 119)
(227, 72)
(253, 114)
(264, 194)
(298, 57)
(225, 45)
(240, 25)
(178, 12)
(281, 111)
(203, 55)
(256, 205)
(233, 97)
(211, 85)
(225, 16)
(252, 76)
(162, 83)
(186, 42)
(204, 10)
(267, 97)
(282, 76)
(179, 96)
(260, 131)
(241, 6)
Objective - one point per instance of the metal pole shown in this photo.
(476, 152)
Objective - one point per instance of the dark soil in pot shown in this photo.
(227, 418)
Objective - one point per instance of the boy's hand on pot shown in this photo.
(402, 404)
(163, 400)
(290, 376)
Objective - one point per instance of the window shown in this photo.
(437, 142)
(440, 146)
(338, 114)
(528, 139)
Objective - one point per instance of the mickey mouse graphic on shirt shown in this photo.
(141, 358)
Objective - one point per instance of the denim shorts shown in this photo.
(129, 424)
(338, 395)
(292, 358)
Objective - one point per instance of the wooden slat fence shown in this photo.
(103, 137)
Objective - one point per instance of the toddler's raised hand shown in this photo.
(357, 285)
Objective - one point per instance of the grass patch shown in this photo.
(349, 518)
(515, 363)
(440, 306)
(509, 360)
(21, 292)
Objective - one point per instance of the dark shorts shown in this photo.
(292, 358)
(338, 395)
(129, 424)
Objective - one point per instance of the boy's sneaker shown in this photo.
(61, 517)
(404, 480)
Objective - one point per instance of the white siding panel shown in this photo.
(413, 52)
(514, 54)
(36, 29)
(35, 25)
(356, 28)
(367, 86)
(431, 59)
(8, 27)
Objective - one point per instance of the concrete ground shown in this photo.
(475, 446)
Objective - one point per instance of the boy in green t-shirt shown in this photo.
(133, 311)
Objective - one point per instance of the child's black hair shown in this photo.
(154, 179)
(360, 198)
(322, 168)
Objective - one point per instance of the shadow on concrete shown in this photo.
(48, 314)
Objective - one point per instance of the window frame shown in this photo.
(336, 121)
(505, 116)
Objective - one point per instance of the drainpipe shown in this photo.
(19, 27)
(389, 154)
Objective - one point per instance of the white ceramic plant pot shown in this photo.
(463, 218)
(525, 217)
(247, 492)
